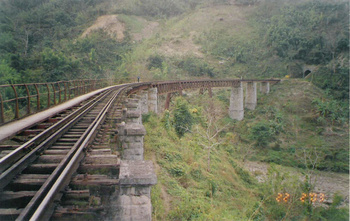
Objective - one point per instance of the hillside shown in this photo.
(42, 40)
(297, 139)
(191, 187)
(194, 187)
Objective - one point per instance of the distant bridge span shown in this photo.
(236, 109)
(164, 87)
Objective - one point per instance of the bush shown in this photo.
(155, 61)
(333, 212)
(330, 110)
(335, 84)
(183, 119)
(262, 133)
(196, 67)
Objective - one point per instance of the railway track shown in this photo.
(35, 171)
(13, 142)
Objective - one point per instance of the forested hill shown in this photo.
(41, 40)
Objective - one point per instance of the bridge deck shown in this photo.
(14, 127)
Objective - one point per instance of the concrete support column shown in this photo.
(134, 201)
(132, 142)
(153, 100)
(136, 176)
(265, 87)
(251, 99)
(236, 110)
(131, 131)
(132, 114)
(144, 102)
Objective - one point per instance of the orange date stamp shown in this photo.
(305, 197)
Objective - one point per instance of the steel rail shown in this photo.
(43, 210)
(45, 191)
(15, 162)
(9, 158)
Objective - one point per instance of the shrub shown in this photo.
(333, 212)
(183, 119)
(330, 110)
(263, 132)
(196, 67)
(155, 61)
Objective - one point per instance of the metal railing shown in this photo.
(20, 100)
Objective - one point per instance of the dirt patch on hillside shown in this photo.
(109, 24)
(180, 46)
(325, 182)
(150, 27)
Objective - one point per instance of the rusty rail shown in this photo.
(20, 100)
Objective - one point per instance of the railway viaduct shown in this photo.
(98, 156)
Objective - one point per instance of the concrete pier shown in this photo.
(236, 110)
(132, 113)
(132, 143)
(153, 100)
(251, 98)
(265, 87)
(131, 133)
(136, 176)
(135, 179)
(144, 102)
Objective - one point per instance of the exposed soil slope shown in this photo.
(109, 24)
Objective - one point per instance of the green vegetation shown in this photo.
(40, 41)
(201, 181)
(199, 152)
(183, 119)
(296, 123)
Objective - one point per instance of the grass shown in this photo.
(193, 192)
(133, 23)
(302, 131)
(187, 190)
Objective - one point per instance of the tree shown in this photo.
(210, 130)
(8, 75)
